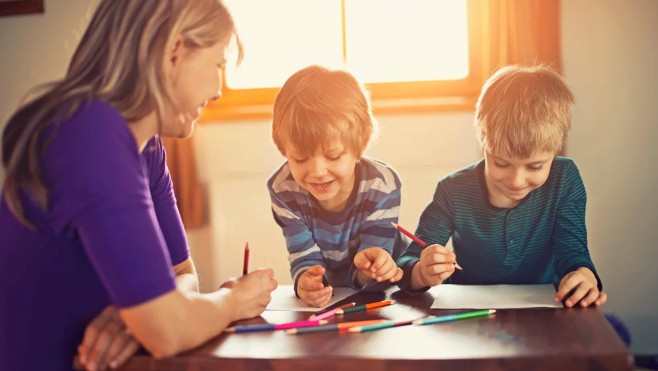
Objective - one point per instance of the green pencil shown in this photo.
(379, 326)
(453, 317)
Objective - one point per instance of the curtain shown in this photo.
(524, 32)
(190, 193)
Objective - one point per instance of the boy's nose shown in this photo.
(518, 180)
(317, 167)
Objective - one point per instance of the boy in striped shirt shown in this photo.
(518, 215)
(335, 206)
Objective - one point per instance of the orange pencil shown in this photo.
(376, 304)
(422, 243)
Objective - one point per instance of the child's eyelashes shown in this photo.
(531, 168)
(301, 160)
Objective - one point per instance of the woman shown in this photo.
(94, 258)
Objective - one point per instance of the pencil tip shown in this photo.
(492, 311)
(394, 225)
(229, 329)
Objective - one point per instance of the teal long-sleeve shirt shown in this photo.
(539, 241)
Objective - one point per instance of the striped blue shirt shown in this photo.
(315, 236)
(538, 241)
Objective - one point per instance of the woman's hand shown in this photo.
(106, 342)
(580, 286)
(251, 293)
(311, 289)
(377, 264)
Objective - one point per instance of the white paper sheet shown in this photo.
(493, 296)
(283, 298)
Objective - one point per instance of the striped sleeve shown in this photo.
(303, 251)
(570, 236)
(383, 191)
(383, 194)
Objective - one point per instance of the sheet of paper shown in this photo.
(283, 298)
(493, 296)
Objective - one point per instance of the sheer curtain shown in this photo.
(524, 32)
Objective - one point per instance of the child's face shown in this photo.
(510, 179)
(197, 78)
(328, 174)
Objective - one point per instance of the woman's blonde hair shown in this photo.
(522, 110)
(316, 105)
(120, 60)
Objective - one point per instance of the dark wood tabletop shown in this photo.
(510, 339)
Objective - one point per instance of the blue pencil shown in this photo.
(275, 326)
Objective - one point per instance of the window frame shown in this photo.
(389, 98)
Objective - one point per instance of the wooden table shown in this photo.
(513, 339)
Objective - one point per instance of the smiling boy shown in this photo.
(518, 215)
(334, 206)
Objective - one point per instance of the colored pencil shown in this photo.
(245, 262)
(333, 326)
(453, 317)
(422, 243)
(331, 312)
(357, 308)
(274, 327)
(379, 326)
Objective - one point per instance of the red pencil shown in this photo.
(422, 243)
(245, 263)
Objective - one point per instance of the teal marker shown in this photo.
(453, 317)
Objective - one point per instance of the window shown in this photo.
(415, 55)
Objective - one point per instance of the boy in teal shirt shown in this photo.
(518, 215)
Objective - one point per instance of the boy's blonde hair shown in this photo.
(522, 110)
(316, 105)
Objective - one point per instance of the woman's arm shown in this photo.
(181, 320)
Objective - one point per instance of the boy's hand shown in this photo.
(311, 289)
(580, 286)
(376, 264)
(436, 264)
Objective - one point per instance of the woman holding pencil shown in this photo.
(94, 260)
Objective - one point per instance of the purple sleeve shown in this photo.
(164, 201)
(99, 193)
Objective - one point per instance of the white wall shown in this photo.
(610, 60)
